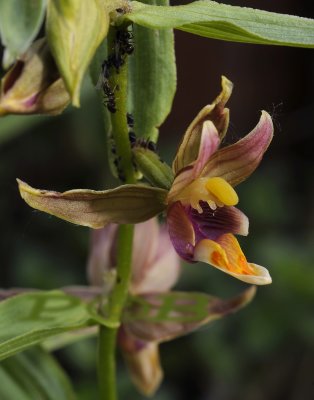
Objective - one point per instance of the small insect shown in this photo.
(125, 42)
(110, 100)
(130, 120)
(146, 144)
(115, 60)
(151, 145)
(111, 106)
(132, 137)
(122, 47)
(116, 162)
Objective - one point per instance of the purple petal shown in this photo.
(213, 223)
(236, 162)
(208, 145)
(181, 231)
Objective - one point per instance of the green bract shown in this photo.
(75, 29)
(153, 169)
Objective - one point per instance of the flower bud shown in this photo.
(33, 84)
(143, 363)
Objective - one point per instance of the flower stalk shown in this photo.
(118, 84)
(120, 133)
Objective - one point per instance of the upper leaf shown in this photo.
(75, 29)
(225, 22)
(152, 78)
(20, 21)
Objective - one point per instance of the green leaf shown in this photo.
(27, 319)
(20, 21)
(34, 374)
(64, 339)
(126, 204)
(225, 22)
(75, 29)
(152, 78)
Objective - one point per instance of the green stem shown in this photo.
(120, 132)
(107, 363)
(107, 336)
(118, 296)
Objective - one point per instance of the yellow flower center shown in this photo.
(215, 191)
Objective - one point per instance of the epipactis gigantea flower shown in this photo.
(201, 216)
(155, 269)
(197, 194)
(33, 84)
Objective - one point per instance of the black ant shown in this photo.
(122, 47)
(124, 40)
(130, 120)
(116, 163)
(132, 138)
(110, 100)
(146, 144)
(141, 142)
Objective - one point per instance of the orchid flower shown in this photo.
(155, 270)
(201, 216)
(33, 84)
(197, 194)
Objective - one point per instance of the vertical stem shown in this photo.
(107, 363)
(118, 82)
(108, 336)
(120, 292)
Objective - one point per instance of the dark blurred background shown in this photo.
(266, 351)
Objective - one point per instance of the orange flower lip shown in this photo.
(225, 254)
